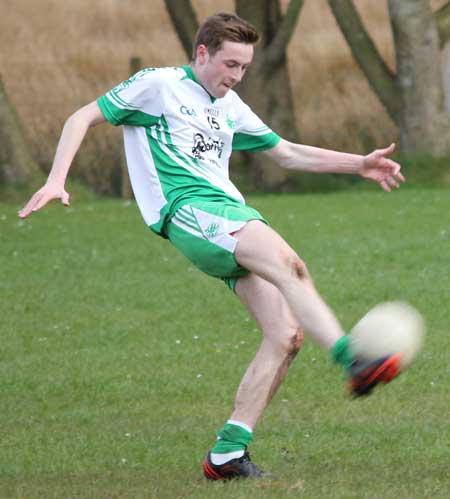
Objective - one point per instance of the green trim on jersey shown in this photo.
(191, 75)
(255, 143)
(117, 116)
(182, 186)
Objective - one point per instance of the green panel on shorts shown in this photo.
(230, 209)
(206, 255)
(231, 282)
(209, 258)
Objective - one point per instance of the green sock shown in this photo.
(232, 438)
(341, 352)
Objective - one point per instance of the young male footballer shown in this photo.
(180, 126)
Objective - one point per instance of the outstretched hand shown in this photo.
(377, 167)
(42, 197)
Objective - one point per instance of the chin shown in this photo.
(221, 93)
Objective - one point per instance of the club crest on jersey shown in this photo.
(202, 145)
(231, 121)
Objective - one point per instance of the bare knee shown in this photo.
(296, 342)
(297, 267)
(290, 342)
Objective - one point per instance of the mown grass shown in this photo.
(119, 361)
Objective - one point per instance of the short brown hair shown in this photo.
(222, 27)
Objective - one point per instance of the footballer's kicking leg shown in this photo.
(282, 339)
(262, 251)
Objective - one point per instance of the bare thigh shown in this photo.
(263, 251)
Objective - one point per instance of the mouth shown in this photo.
(223, 88)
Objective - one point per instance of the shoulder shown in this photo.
(234, 105)
(234, 99)
(148, 82)
(157, 75)
(151, 76)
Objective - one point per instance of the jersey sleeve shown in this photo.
(251, 133)
(134, 102)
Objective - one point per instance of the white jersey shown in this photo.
(178, 139)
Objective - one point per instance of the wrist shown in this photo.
(55, 183)
(359, 165)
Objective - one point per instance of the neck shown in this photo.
(197, 74)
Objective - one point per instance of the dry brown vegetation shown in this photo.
(56, 55)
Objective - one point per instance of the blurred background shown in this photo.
(56, 56)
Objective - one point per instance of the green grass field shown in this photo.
(119, 361)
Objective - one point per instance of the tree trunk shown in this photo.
(442, 17)
(185, 22)
(266, 86)
(267, 91)
(363, 49)
(16, 164)
(446, 75)
(424, 123)
(413, 96)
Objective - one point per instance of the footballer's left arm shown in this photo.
(374, 166)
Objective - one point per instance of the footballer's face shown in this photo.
(223, 70)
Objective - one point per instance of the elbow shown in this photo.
(86, 117)
(285, 155)
(77, 120)
(286, 162)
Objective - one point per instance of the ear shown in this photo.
(201, 54)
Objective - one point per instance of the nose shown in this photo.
(238, 74)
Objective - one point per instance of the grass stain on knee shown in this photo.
(292, 351)
(300, 270)
(296, 342)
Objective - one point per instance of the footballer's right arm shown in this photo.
(71, 138)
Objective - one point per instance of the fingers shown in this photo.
(33, 204)
(386, 151)
(41, 198)
(396, 175)
(392, 182)
(400, 177)
(395, 167)
(391, 148)
(393, 176)
(42, 201)
(383, 170)
(385, 186)
(65, 199)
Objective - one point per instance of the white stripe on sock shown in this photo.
(242, 425)
(219, 459)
